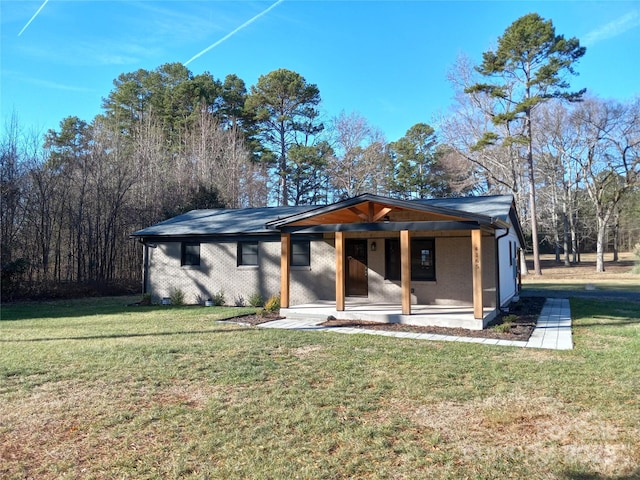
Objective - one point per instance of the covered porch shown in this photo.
(369, 218)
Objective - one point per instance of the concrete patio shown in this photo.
(553, 328)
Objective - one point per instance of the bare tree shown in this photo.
(610, 161)
(360, 157)
(494, 168)
(556, 145)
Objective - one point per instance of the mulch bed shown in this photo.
(522, 315)
(256, 319)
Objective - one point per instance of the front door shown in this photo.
(356, 267)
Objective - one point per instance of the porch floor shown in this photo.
(450, 316)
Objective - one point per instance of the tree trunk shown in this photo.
(602, 230)
(574, 239)
(524, 270)
(616, 234)
(565, 236)
(532, 208)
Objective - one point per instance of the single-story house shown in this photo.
(367, 250)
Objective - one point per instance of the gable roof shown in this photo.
(495, 211)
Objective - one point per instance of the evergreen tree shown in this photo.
(284, 107)
(525, 70)
(416, 170)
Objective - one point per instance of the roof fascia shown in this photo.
(207, 237)
(385, 227)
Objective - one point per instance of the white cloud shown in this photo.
(48, 84)
(612, 29)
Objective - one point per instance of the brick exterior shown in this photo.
(453, 283)
(218, 272)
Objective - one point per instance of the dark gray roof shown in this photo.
(496, 210)
(494, 206)
(473, 208)
(229, 221)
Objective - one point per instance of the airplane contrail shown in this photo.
(34, 17)
(229, 35)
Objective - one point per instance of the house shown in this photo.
(369, 250)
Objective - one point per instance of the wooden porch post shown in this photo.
(285, 268)
(476, 264)
(340, 271)
(405, 270)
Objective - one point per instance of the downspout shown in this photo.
(145, 264)
(145, 267)
(498, 304)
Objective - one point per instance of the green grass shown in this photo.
(99, 389)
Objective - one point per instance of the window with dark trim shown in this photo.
(247, 253)
(300, 253)
(423, 259)
(190, 254)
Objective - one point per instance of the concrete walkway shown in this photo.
(553, 329)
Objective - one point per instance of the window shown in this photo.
(300, 253)
(247, 253)
(422, 259)
(423, 264)
(190, 254)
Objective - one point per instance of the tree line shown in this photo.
(168, 140)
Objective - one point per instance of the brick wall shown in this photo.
(218, 271)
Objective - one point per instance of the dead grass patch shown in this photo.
(585, 271)
(308, 351)
(79, 428)
(543, 429)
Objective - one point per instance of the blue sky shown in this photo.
(386, 60)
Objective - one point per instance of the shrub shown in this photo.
(256, 300)
(273, 304)
(507, 322)
(146, 299)
(218, 298)
(177, 296)
(503, 327)
(239, 301)
(12, 277)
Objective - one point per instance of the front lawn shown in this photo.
(99, 389)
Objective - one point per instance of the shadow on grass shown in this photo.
(621, 323)
(124, 335)
(90, 307)
(552, 290)
(635, 475)
(590, 313)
